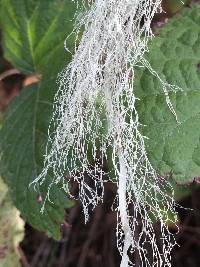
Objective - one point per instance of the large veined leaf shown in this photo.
(175, 55)
(33, 40)
(34, 32)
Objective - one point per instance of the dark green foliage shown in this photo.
(33, 33)
(175, 55)
(33, 38)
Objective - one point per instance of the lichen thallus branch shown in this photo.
(94, 110)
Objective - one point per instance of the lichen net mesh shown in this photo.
(94, 111)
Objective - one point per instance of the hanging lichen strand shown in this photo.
(94, 112)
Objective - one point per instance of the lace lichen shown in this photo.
(95, 111)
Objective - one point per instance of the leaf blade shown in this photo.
(171, 146)
(25, 126)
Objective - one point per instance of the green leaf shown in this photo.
(23, 138)
(11, 231)
(34, 32)
(175, 55)
(33, 38)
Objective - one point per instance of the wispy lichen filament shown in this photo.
(95, 109)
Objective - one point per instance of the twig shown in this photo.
(23, 258)
(39, 252)
(61, 260)
(112, 262)
(71, 218)
(91, 234)
(31, 79)
(8, 73)
(47, 252)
